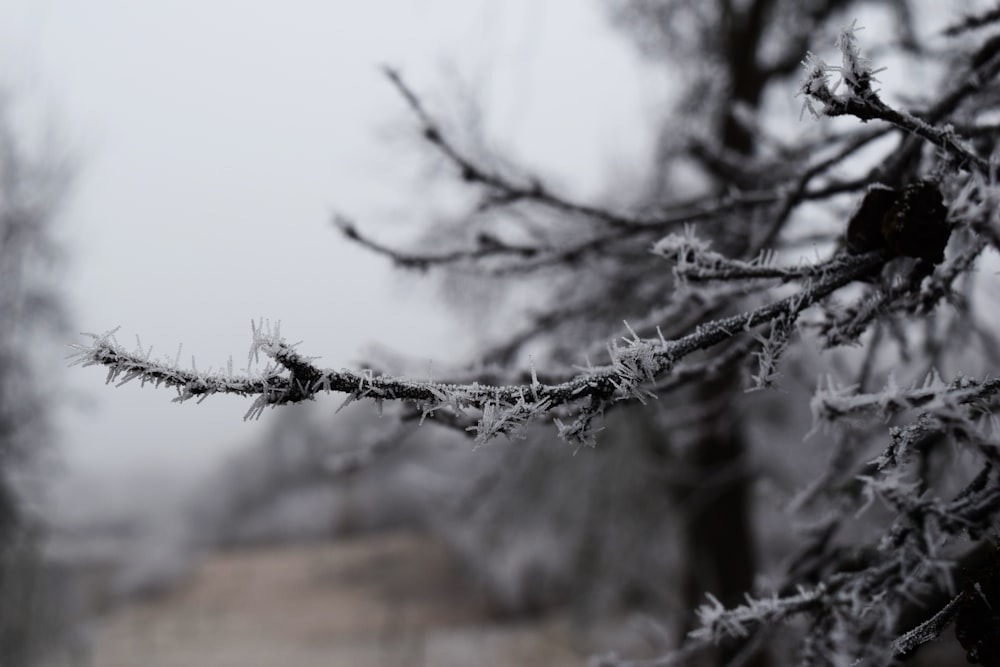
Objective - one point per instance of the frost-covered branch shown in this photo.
(910, 559)
(695, 262)
(863, 102)
(636, 364)
(833, 403)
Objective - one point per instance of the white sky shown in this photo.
(216, 137)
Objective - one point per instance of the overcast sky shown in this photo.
(214, 139)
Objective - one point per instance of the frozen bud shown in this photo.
(917, 224)
(864, 231)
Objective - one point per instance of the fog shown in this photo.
(213, 142)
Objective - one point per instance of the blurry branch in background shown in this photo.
(926, 211)
(601, 227)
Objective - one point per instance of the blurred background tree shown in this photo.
(34, 178)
